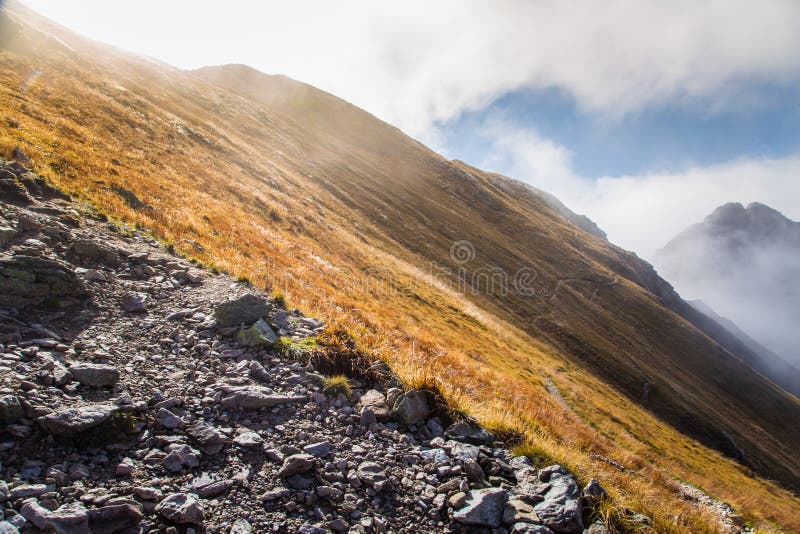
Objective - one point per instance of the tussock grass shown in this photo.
(337, 385)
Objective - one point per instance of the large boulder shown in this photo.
(244, 310)
(561, 509)
(412, 407)
(484, 508)
(31, 281)
(70, 422)
(94, 252)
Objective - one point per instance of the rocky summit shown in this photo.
(140, 393)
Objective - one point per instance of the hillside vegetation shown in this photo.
(352, 221)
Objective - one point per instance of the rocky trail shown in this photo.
(139, 393)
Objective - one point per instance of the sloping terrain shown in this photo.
(744, 262)
(140, 393)
(463, 281)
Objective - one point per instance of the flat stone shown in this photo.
(484, 508)
(320, 450)
(32, 281)
(114, 518)
(94, 374)
(255, 397)
(72, 421)
(372, 474)
(68, 519)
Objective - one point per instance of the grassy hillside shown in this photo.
(355, 222)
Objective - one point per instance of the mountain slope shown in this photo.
(745, 263)
(462, 280)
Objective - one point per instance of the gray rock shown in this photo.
(463, 451)
(72, 421)
(484, 508)
(372, 474)
(168, 419)
(412, 407)
(467, 432)
(181, 508)
(248, 440)
(180, 456)
(94, 251)
(320, 450)
(94, 374)
(296, 463)
(434, 456)
(374, 400)
(258, 335)
(208, 438)
(68, 519)
(31, 281)
(244, 310)
(10, 409)
(311, 529)
(258, 372)
(4, 493)
(561, 508)
(255, 397)
(134, 302)
(23, 491)
(8, 528)
(474, 472)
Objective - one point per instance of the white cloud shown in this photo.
(643, 212)
(416, 63)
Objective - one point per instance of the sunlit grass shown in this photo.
(256, 214)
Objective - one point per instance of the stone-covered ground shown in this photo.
(139, 393)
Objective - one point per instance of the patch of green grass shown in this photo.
(244, 280)
(335, 385)
(286, 346)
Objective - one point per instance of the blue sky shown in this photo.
(668, 137)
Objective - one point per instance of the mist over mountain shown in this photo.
(744, 262)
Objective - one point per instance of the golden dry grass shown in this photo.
(249, 190)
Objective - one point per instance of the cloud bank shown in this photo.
(419, 63)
